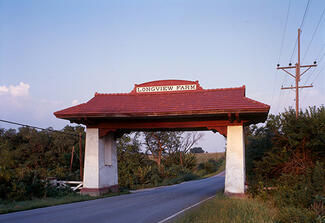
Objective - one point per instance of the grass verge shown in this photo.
(223, 209)
(13, 206)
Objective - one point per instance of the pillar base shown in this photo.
(99, 191)
(236, 195)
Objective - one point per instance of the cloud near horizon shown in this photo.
(19, 90)
(18, 105)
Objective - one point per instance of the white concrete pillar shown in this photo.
(235, 161)
(100, 168)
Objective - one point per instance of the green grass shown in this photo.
(13, 206)
(223, 209)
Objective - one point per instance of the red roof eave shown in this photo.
(157, 114)
(199, 103)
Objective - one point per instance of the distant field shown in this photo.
(203, 157)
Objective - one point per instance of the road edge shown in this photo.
(154, 188)
(185, 209)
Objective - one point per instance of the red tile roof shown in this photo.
(172, 103)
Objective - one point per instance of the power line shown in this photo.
(303, 18)
(320, 71)
(319, 59)
(282, 97)
(294, 50)
(320, 52)
(284, 31)
(318, 74)
(39, 128)
(300, 27)
(319, 22)
(322, 57)
(281, 48)
(312, 73)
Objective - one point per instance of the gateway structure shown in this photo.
(165, 105)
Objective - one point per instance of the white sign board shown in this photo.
(189, 87)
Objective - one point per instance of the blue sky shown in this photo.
(57, 53)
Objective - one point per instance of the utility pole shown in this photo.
(298, 75)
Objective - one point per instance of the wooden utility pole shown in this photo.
(71, 161)
(298, 75)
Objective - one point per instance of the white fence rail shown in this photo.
(74, 185)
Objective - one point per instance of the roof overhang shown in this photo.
(190, 103)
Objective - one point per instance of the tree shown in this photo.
(28, 157)
(287, 154)
(159, 143)
(187, 141)
(172, 143)
(196, 150)
(130, 159)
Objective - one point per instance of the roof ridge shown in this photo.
(166, 80)
(230, 88)
(101, 94)
(170, 92)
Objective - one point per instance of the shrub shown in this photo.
(295, 191)
(53, 191)
(155, 179)
(210, 166)
(190, 176)
(172, 159)
(318, 177)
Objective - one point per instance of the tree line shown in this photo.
(285, 160)
(29, 157)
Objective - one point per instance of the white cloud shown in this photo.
(4, 90)
(19, 90)
(75, 102)
(37, 111)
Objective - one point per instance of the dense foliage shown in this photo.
(28, 158)
(285, 163)
(134, 167)
(167, 163)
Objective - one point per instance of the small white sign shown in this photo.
(189, 87)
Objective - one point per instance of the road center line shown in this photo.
(174, 215)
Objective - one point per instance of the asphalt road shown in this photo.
(152, 205)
